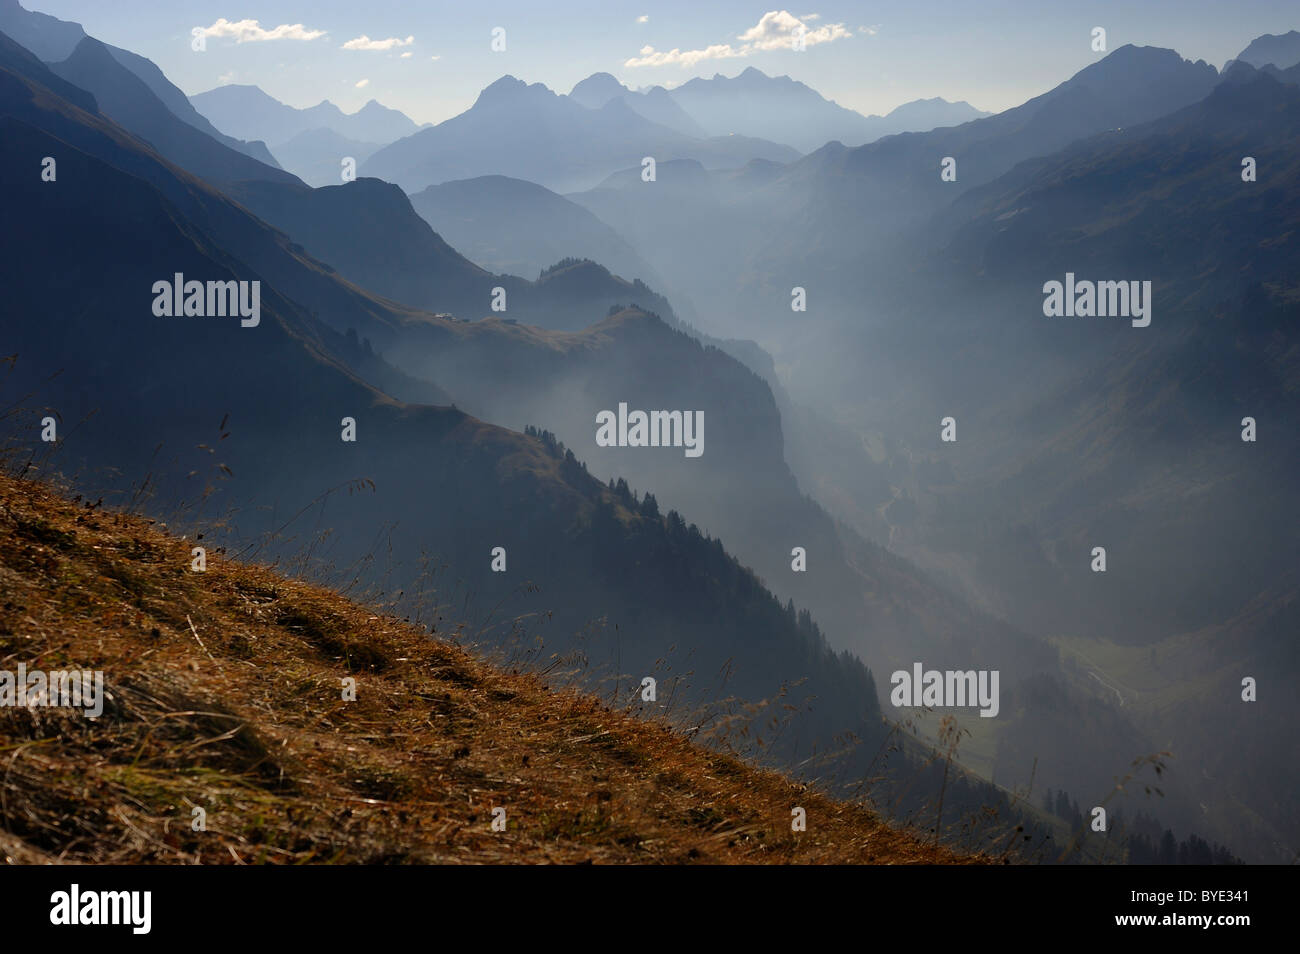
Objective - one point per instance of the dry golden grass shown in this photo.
(243, 716)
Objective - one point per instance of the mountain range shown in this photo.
(831, 221)
(499, 134)
(772, 107)
(249, 113)
(311, 142)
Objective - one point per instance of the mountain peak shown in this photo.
(505, 84)
(91, 50)
(508, 88)
(751, 75)
(600, 79)
(1136, 68)
(1280, 49)
(934, 112)
(597, 90)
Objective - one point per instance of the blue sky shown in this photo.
(870, 56)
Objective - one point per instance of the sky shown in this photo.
(431, 59)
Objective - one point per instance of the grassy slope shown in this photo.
(242, 715)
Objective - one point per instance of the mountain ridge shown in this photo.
(249, 112)
(499, 133)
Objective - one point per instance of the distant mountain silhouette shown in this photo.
(597, 90)
(785, 110)
(249, 113)
(544, 227)
(922, 115)
(1282, 51)
(655, 104)
(528, 132)
(1129, 86)
(317, 155)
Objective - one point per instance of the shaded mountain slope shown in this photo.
(1157, 410)
(516, 375)
(369, 231)
(1076, 433)
(47, 37)
(183, 109)
(14, 56)
(131, 104)
(544, 228)
(740, 488)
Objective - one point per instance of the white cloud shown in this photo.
(364, 42)
(645, 18)
(775, 30)
(778, 28)
(871, 30)
(250, 31)
(407, 55)
(226, 78)
(362, 84)
(435, 57)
